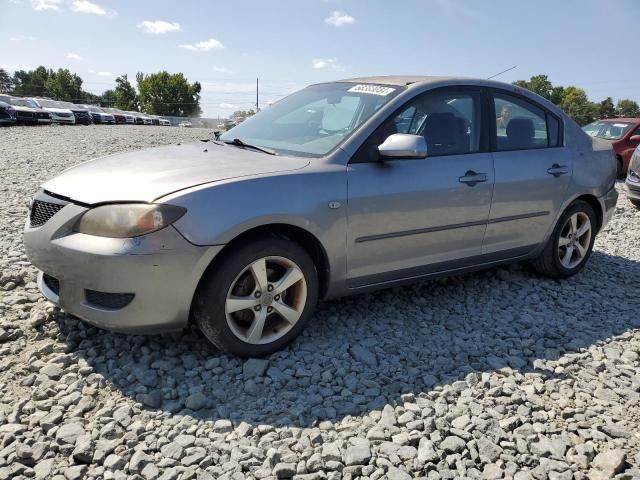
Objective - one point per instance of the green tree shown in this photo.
(6, 82)
(606, 108)
(64, 85)
(557, 94)
(32, 82)
(576, 104)
(539, 84)
(90, 98)
(627, 108)
(108, 98)
(243, 113)
(168, 94)
(126, 96)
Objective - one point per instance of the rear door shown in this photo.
(532, 172)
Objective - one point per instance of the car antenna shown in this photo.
(500, 73)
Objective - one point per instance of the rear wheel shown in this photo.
(571, 242)
(635, 203)
(258, 298)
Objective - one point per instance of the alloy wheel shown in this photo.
(266, 300)
(574, 241)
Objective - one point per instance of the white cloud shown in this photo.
(221, 69)
(204, 46)
(42, 5)
(105, 74)
(339, 19)
(157, 27)
(12, 67)
(73, 56)
(22, 38)
(85, 6)
(324, 63)
(227, 105)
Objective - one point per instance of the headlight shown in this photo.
(127, 220)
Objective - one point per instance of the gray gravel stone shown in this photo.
(529, 379)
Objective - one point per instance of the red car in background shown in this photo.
(624, 135)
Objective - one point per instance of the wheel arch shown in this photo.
(595, 204)
(308, 241)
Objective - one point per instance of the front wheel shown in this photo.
(571, 242)
(258, 298)
(635, 203)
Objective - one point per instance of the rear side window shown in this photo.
(522, 125)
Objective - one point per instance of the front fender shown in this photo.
(218, 213)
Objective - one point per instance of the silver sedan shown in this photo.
(339, 188)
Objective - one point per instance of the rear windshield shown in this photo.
(608, 130)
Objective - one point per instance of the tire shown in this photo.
(635, 203)
(619, 168)
(549, 262)
(232, 283)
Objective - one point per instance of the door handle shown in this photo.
(471, 178)
(557, 170)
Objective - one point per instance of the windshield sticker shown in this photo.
(372, 90)
(620, 125)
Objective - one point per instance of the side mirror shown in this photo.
(634, 138)
(403, 146)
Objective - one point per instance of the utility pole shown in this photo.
(257, 107)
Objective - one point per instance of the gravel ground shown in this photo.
(497, 374)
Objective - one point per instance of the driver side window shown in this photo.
(448, 119)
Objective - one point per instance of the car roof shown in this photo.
(399, 80)
(621, 119)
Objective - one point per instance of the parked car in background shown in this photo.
(118, 115)
(633, 179)
(43, 117)
(25, 115)
(155, 120)
(137, 117)
(81, 114)
(185, 123)
(59, 114)
(129, 119)
(165, 122)
(624, 135)
(98, 115)
(7, 114)
(395, 179)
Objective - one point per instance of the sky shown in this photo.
(288, 44)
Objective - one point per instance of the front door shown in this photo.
(411, 217)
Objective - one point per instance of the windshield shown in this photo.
(313, 121)
(607, 130)
(48, 103)
(25, 102)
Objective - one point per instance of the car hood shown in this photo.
(22, 108)
(57, 110)
(149, 174)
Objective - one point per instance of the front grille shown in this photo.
(111, 301)
(26, 114)
(43, 115)
(52, 283)
(41, 212)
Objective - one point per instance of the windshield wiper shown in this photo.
(239, 143)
